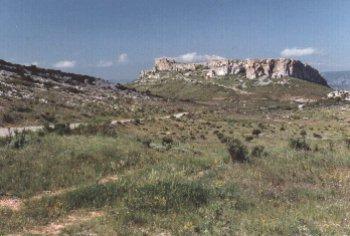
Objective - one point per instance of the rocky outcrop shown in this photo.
(166, 64)
(250, 69)
(42, 74)
(340, 94)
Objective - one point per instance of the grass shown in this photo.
(177, 175)
(178, 89)
(168, 196)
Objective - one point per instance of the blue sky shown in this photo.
(115, 39)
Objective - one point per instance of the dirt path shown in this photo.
(15, 204)
(56, 228)
(6, 132)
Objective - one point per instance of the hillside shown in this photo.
(214, 172)
(31, 95)
(225, 155)
(250, 83)
(338, 79)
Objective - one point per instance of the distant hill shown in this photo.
(338, 79)
(33, 94)
(246, 84)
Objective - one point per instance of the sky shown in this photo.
(116, 39)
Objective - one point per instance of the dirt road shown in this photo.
(5, 132)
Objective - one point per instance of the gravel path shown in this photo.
(5, 132)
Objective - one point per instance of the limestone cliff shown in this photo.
(250, 69)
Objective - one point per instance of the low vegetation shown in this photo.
(205, 173)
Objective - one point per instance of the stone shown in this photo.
(250, 69)
(339, 94)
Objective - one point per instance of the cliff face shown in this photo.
(251, 69)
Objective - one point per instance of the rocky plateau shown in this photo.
(249, 68)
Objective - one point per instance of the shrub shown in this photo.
(167, 142)
(249, 138)
(238, 151)
(317, 135)
(299, 144)
(303, 133)
(256, 132)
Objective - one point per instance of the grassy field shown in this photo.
(213, 171)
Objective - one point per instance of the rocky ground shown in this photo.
(30, 95)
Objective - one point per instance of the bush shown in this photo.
(299, 144)
(238, 151)
(303, 133)
(167, 142)
(170, 195)
(256, 132)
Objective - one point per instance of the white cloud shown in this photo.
(298, 52)
(105, 64)
(34, 63)
(122, 58)
(65, 64)
(195, 57)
